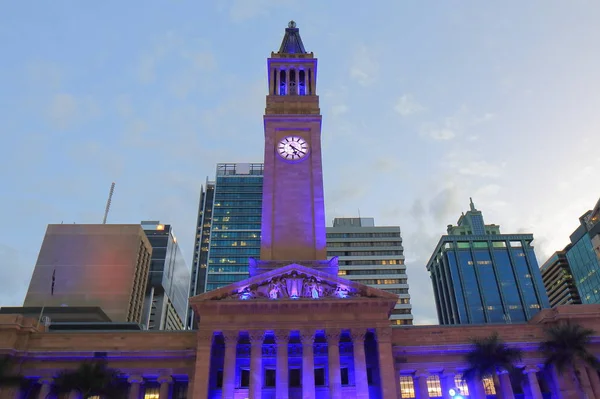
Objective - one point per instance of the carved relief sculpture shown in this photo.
(293, 285)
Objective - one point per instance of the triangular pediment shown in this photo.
(293, 282)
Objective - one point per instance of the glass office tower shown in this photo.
(166, 300)
(228, 228)
(482, 276)
(583, 259)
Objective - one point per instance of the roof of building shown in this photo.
(292, 43)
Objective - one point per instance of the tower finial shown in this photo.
(292, 43)
(471, 204)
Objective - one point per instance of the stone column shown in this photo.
(231, 340)
(135, 382)
(256, 371)
(421, 390)
(165, 382)
(586, 385)
(476, 390)
(386, 363)
(594, 380)
(532, 382)
(272, 81)
(282, 374)
(505, 385)
(360, 364)
(308, 363)
(287, 81)
(333, 357)
(202, 367)
(46, 384)
(313, 82)
(447, 381)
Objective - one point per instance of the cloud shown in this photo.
(364, 69)
(406, 105)
(445, 204)
(441, 134)
(339, 109)
(480, 168)
(243, 10)
(62, 110)
(65, 110)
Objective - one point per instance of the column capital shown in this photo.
(256, 337)
(531, 368)
(502, 371)
(358, 334)
(384, 334)
(165, 379)
(282, 336)
(230, 337)
(136, 378)
(46, 381)
(421, 373)
(449, 371)
(333, 335)
(307, 336)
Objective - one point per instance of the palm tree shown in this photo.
(565, 347)
(92, 378)
(7, 377)
(489, 356)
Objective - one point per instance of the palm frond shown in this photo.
(565, 344)
(489, 355)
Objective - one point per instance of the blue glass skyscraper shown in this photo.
(482, 276)
(228, 227)
(583, 260)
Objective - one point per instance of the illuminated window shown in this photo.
(461, 385)
(160, 227)
(407, 387)
(151, 393)
(341, 272)
(488, 385)
(433, 386)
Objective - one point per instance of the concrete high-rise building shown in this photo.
(583, 258)
(482, 276)
(166, 301)
(374, 256)
(104, 265)
(558, 280)
(228, 226)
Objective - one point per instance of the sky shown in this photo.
(424, 105)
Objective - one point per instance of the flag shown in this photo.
(53, 279)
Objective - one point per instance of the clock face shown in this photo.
(292, 148)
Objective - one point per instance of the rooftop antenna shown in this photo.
(110, 194)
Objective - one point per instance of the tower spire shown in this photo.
(471, 204)
(292, 43)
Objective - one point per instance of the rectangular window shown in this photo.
(344, 374)
(407, 387)
(270, 378)
(320, 377)
(245, 378)
(434, 386)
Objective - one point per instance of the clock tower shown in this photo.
(293, 209)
